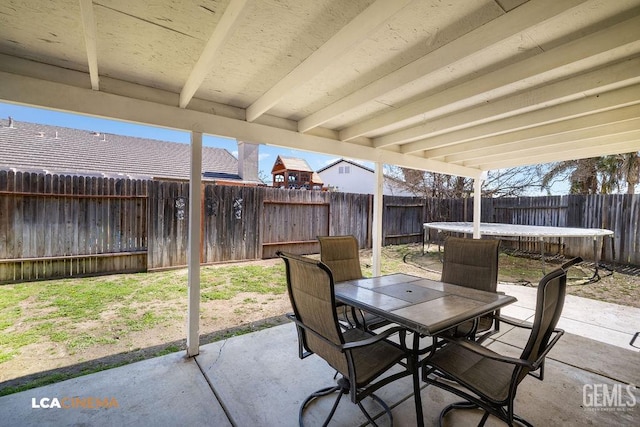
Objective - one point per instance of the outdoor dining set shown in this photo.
(374, 331)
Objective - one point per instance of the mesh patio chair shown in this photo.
(489, 380)
(341, 254)
(361, 357)
(472, 263)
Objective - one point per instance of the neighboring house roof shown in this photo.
(389, 180)
(345, 161)
(55, 149)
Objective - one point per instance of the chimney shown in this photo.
(248, 161)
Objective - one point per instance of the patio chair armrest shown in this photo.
(485, 352)
(512, 322)
(571, 262)
(540, 360)
(350, 345)
(300, 325)
(373, 339)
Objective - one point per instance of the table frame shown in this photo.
(534, 231)
(423, 306)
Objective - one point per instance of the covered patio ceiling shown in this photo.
(457, 87)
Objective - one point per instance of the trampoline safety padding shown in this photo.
(532, 231)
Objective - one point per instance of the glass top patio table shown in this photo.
(425, 306)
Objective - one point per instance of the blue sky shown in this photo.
(267, 154)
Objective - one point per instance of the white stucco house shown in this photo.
(350, 177)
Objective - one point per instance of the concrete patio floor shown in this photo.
(258, 380)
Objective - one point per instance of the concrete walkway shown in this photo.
(258, 380)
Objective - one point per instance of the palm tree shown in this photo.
(597, 174)
(631, 170)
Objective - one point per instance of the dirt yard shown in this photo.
(47, 361)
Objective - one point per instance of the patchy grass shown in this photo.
(86, 312)
(615, 288)
(102, 322)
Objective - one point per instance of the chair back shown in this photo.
(341, 254)
(311, 291)
(472, 263)
(549, 303)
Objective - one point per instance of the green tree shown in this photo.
(606, 174)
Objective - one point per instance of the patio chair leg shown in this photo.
(382, 404)
(322, 392)
(484, 419)
(485, 416)
(342, 388)
(461, 405)
(522, 421)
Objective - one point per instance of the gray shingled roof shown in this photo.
(35, 147)
(346, 161)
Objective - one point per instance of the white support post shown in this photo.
(377, 220)
(477, 204)
(193, 255)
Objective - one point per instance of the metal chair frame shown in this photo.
(347, 383)
(465, 252)
(531, 361)
(341, 255)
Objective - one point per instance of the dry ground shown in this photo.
(47, 361)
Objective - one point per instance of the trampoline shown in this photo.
(533, 231)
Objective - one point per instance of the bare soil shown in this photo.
(224, 318)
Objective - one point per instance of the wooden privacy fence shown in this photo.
(619, 213)
(240, 223)
(59, 225)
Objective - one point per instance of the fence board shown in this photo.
(4, 221)
(292, 219)
(54, 226)
(61, 225)
(351, 214)
(402, 220)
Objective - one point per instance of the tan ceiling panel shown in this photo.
(272, 42)
(410, 34)
(46, 32)
(425, 84)
(143, 52)
(193, 18)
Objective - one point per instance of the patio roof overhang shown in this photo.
(456, 87)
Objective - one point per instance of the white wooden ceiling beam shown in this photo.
(618, 41)
(603, 148)
(592, 104)
(473, 43)
(342, 42)
(228, 23)
(89, 31)
(557, 143)
(63, 97)
(592, 83)
(536, 136)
